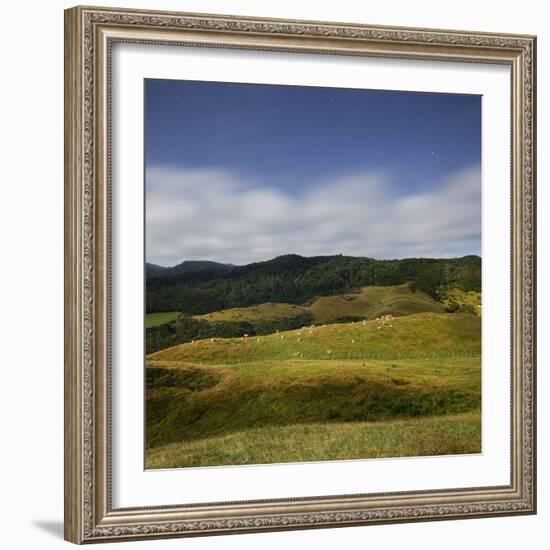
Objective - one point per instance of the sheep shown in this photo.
(385, 319)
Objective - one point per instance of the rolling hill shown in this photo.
(369, 303)
(419, 333)
(260, 312)
(323, 358)
(187, 402)
(398, 386)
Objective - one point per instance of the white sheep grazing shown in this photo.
(282, 336)
(353, 341)
(299, 339)
(212, 339)
(245, 335)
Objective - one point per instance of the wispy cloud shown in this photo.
(220, 215)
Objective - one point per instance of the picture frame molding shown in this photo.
(89, 36)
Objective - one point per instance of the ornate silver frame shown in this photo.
(89, 35)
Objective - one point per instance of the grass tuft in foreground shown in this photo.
(429, 436)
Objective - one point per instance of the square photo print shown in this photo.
(312, 274)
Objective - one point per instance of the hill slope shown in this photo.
(261, 312)
(423, 332)
(219, 400)
(186, 401)
(369, 303)
(372, 302)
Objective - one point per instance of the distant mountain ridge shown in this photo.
(205, 287)
(188, 266)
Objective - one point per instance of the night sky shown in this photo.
(359, 172)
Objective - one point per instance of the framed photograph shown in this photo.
(300, 274)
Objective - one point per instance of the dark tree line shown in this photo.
(295, 279)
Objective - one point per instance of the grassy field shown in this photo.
(422, 333)
(369, 303)
(372, 302)
(156, 319)
(408, 386)
(441, 435)
(187, 402)
(262, 312)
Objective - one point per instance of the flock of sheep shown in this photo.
(382, 321)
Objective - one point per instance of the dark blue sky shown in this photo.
(291, 136)
(245, 172)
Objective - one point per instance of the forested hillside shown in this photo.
(295, 279)
(189, 266)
